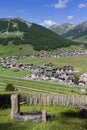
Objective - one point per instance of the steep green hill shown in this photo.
(19, 31)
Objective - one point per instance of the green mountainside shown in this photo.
(72, 31)
(82, 37)
(18, 31)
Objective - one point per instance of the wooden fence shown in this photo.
(45, 99)
(54, 99)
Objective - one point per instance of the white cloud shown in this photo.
(48, 23)
(82, 5)
(61, 4)
(70, 17)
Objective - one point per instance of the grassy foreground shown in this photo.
(66, 118)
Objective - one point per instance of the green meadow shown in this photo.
(65, 118)
(25, 86)
(12, 50)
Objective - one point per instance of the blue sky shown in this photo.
(45, 12)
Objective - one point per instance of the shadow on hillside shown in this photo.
(6, 126)
(72, 114)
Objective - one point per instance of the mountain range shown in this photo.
(75, 32)
(18, 31)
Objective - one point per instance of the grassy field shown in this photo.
(18, 50)
(45, 86)
(12, 50)
(66, 118)
(10, 72)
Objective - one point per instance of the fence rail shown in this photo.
(55, 99)
(45, 99)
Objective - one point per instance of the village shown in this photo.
(46, 72)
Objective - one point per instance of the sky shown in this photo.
(45, 12)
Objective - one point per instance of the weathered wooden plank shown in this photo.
(56, 99)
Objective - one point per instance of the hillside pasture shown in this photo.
(25, 86)
(65, 118)
(13, 72)
(14, 50)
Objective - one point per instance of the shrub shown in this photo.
(20, 48)
(76, 79)
(10, 87)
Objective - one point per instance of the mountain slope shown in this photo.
(76, 30)
(72, 31)
(18, 31)
(79, 33)
(82, 37)
(63, 28)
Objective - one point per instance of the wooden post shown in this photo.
(15, 109)
(44, 116)
(44, 102)
(44, 113)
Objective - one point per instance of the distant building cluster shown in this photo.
(65, 74)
